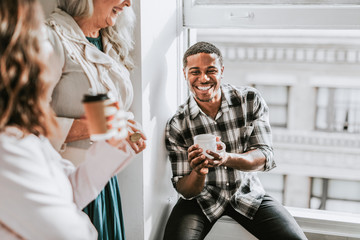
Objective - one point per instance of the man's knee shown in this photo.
(186, 222)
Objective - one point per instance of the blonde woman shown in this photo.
(42, 194)
(93, 39)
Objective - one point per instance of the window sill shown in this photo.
(327, 223)
(317, 225)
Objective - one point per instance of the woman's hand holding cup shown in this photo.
(102, 116)
(127, 129)
(105, 119)
(117, 122)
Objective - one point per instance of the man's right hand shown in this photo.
(198, 162)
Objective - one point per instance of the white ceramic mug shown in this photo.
(208, 142)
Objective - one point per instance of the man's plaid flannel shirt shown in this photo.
(242, 123)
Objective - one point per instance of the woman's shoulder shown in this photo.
(56, 43)
(15, 144)
(25, 154)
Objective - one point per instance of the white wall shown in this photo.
(146, 204)
(146, 190)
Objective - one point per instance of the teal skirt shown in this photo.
(105, 212)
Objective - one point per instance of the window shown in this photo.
(330, 14)
(334, 195)
(338, 110)
(277, 2)
(303, 57)
(274, 185)
(276, 98)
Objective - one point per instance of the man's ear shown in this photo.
(184, 71)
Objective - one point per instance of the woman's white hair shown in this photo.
(120, 35)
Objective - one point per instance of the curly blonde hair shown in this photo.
(23, 89)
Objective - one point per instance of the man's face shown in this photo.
(203, 73)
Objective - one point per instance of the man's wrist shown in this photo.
(225, 159)
(229, 159)
(198, 174)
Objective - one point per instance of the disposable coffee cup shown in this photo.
(99, 109)
(208, 142)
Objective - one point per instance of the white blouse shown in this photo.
(42, 194)
(82, 66)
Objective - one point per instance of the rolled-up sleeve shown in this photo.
(101, 163)
(261, 136)
(177, 152)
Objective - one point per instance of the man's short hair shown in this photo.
(202, 47)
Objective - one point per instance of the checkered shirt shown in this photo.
(243, 125)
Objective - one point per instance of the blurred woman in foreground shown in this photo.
(42, 193)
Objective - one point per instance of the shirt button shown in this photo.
(227, 184)
(225, 168)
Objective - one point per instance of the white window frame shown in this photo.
(279, 16)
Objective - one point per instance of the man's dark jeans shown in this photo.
(272, 221)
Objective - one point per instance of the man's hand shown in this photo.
(198, 162)
(218, 158)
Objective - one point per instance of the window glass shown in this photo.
(334, 195)
(276, 98)
(260, 14)
(274, 2)
(310, 81)
(338, 110)
(306, 66)
(274, 185)
(340, 189)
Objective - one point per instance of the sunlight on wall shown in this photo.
(159, 74)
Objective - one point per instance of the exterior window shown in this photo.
(305, 65)
(278, 2)
(276, 98)
(273, 184)
(338, 110)
(310, 14)
(334, 195)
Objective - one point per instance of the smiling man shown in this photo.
(225, 184)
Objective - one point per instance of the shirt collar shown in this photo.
(68, 26)
(193, 107)
(225, 102)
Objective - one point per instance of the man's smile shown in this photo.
(204, 88)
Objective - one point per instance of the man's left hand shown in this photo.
(218, 158)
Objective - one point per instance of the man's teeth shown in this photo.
(204, 88)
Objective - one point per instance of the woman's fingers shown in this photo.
(117, 143)
(137, 146)
(134, 127)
